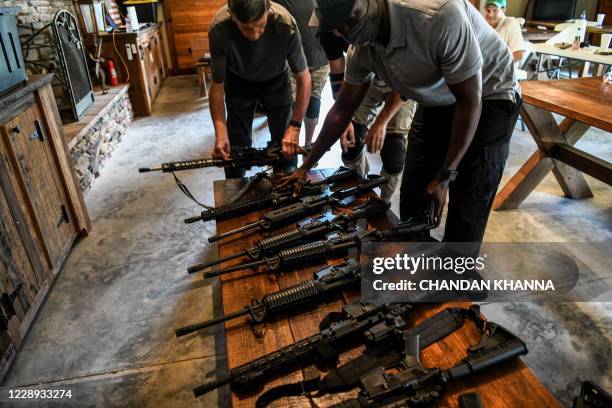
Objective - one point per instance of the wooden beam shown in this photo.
(585, 162)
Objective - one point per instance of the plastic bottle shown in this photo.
(128, 25)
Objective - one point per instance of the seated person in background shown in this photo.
(507, 27)
(253, 44)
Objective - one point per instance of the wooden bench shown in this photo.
(199, 50)
(510, 385)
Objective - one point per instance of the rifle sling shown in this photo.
(346, 376)
(188, 193)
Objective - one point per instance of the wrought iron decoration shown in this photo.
(72, 56)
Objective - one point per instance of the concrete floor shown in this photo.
(106, 329)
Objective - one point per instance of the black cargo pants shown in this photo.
(471, 194)
(241, 96)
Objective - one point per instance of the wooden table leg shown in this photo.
(546, 133)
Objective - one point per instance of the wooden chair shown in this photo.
(199, 51)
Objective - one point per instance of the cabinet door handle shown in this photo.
(64, 218)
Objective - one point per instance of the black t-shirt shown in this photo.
(334, 46)
(302, 10)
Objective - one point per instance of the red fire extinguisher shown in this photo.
(111, 72)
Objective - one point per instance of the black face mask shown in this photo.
(365, 30)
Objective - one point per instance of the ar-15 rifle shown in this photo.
(303, 233)
(415, 385)
(388, 354)
(273, 199)
(326, 283)
(240, 157)
(324, 249)
(362, 322)
(310, 205)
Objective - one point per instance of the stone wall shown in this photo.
(38, 11)
(101, 138)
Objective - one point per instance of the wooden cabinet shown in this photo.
(143, 53)
(41, 207)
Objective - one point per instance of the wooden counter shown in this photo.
(143, 53)
(42, 210)
(510, 385)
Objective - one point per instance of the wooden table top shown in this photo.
(510, 385)
(587, 100)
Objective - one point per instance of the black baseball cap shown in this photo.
(331, 14)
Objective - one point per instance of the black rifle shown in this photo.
(327, 282)
(240, 157)
(310, 205)
(324, 249)
(362, 322)
(415, 385)
(592, 396)
(274, 199)
(299, 255)
(303, 233)
(388, 354)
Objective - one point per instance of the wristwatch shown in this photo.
(295, 123)
(446, 176)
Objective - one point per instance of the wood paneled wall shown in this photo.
(189, 20)
(605, 7)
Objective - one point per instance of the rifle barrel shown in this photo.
(148, 169)
(182, 331)
(199, 267)
(209, 386)
(234, 268)
(191, 220)
(247, 227)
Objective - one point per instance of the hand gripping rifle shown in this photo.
(324, 249)
(388, 354)
(303, 233)
(310, 205)
(240, 157)
(273, 199)
(415, 385)
(360, 321)
(327, 282)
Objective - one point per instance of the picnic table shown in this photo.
(509, 385)
(584, 102)
(585, 55)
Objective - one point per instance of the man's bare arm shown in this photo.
(467, 115)
(302, 94)
(217, 112)
(393, 103)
